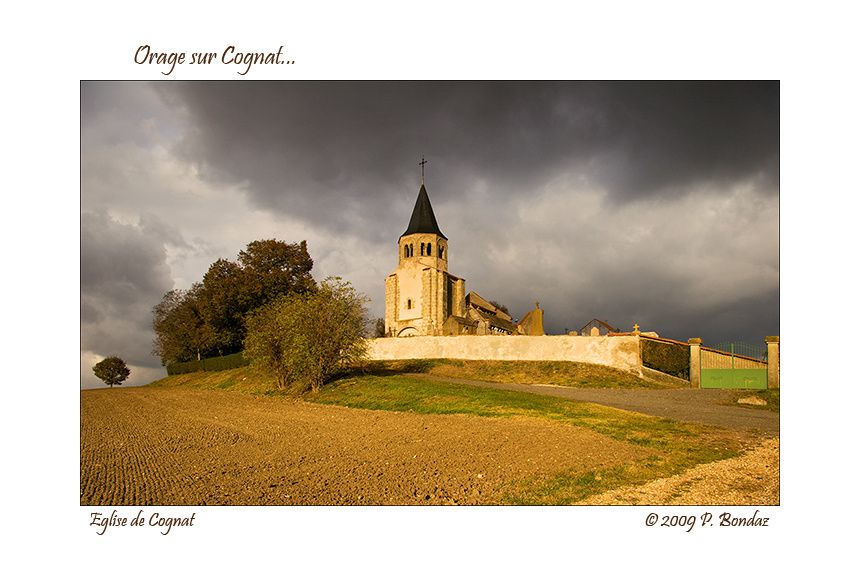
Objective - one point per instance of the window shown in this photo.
(441, 250)
(406, 250)
(423, 250)
(409, 304)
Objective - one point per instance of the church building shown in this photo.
(421, 294)
(424, 299)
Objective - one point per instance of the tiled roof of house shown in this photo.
(596, 322)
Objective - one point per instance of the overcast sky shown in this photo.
(629, 202)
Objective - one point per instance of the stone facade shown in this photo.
(421, 295)
(532, 324)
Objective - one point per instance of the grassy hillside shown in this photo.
(676, 446)
(246, 379)
(564, 373)
(540, 372)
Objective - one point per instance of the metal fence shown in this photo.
(737, 365)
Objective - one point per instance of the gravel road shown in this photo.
(705, 406)
(752, 478)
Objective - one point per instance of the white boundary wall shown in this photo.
(621, 352)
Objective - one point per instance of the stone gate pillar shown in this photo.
(695, 361)
(773, 343)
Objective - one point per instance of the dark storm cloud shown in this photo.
(338, 152)
(124, 273)
(670, 136)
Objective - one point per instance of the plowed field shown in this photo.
(151, 446)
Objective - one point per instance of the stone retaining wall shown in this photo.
(621, 352)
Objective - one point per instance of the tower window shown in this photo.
(406, 250)
(423, 250)
(409, 304)
(429, 250)
(441, 251)
(411, 250)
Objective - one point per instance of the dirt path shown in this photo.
(188, 447)
(706, 406)
(750, 478)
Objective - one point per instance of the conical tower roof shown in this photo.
(423, 221)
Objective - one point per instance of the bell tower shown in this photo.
(423, 242)
(421, 294)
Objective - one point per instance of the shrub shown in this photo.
(666, 357)
(303, 339)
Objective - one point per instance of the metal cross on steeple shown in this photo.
(422, 163)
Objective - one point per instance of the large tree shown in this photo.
(303, 339)
(182, 332)
(273, 268)
(224, 302)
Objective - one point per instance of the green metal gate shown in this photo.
(734, 365)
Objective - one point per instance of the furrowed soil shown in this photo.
(190, 441)
(180, 446)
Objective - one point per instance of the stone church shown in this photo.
(424, 299)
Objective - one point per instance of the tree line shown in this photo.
(210, 318)
(267, 305)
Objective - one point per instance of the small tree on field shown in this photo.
(112, 371)
(303, 339)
